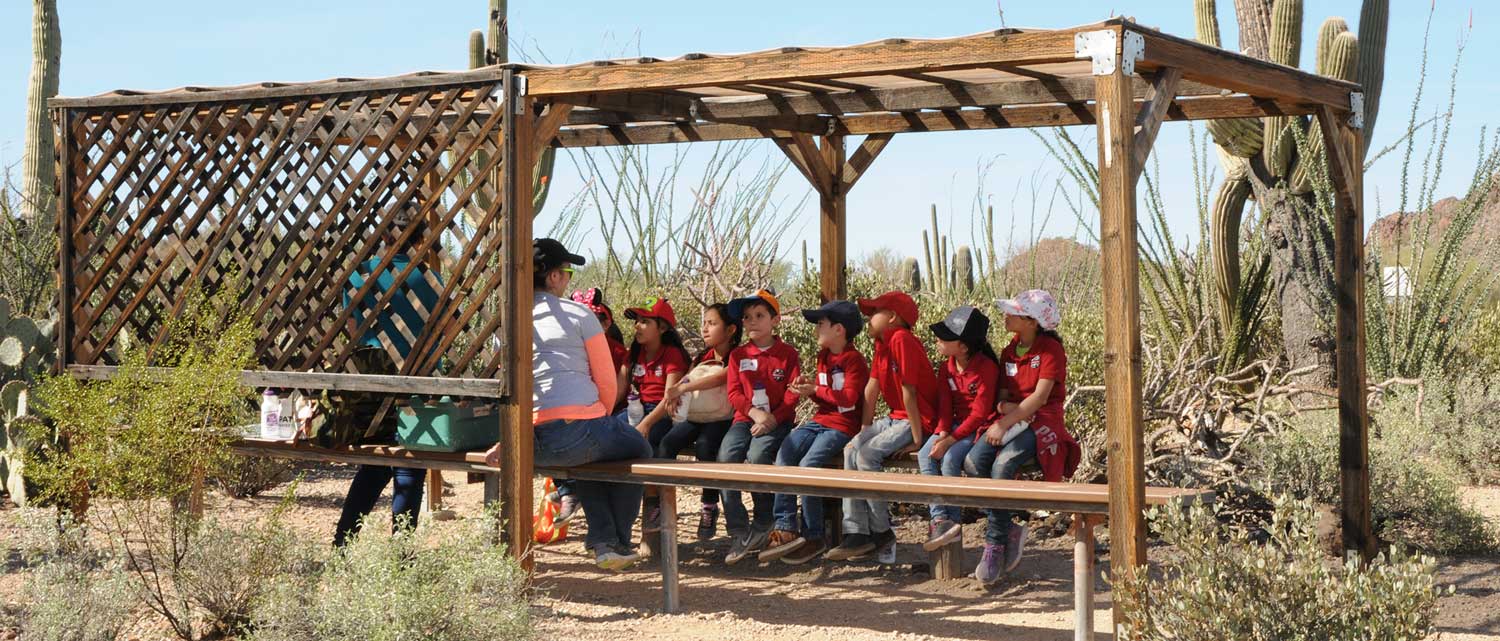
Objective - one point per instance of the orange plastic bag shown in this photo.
(542, 527)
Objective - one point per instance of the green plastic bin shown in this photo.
(446, 426)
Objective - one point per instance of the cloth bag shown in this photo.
(710, 405)
(543, 530)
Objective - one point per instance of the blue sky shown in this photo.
(168, 43)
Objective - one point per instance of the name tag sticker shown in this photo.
(838, 381)
(1010, 369)
(823, 379)
(953, 385)
(749, 365)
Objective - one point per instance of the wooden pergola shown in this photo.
(292, 184)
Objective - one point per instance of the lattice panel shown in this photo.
(293, 195)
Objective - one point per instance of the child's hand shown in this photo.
(762, 428)
(674, 392)
(940, 447)
(758, 415)
(994, 435)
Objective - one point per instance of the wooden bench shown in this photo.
(1087, 503)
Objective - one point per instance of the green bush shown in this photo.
(1468, 437)
(418, 584)
(73, 592)
(228, 567)
(1414, 491)
(245, 477)
(1224, 585)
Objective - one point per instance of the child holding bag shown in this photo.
(708, 414)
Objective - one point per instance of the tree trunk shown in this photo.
(1302, 272)
(1254, 19)
(38, 173)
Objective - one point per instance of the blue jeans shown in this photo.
(654, 436)
(952, 464)
(705, 439)
(365, 490)
(811, 445)
(868, 451)
(609, 508)
(740, 446)
(1004, 462)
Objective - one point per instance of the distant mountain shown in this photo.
(1395, 235)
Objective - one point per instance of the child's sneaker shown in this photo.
(652, 523)
(1013, 544)
(853, 545)
(809, 550)
(780, 543)
(942, 533)
(747, 545)
(989, 570)
(885, 547)
(609, 558)
(708, 521)
(568, 511)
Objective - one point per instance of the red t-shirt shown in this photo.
(1045, 359)
(617, 352)
(900, 359)
(840, 389)
(768, 371)
(650, 377)
(966, 399)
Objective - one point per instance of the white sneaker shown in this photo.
(614, 560)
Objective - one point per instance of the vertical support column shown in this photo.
(64, 240)
(668, 556)
(1083, 577)
(518, 157)
(1115, 111)
(833, 256)
(1343, 144)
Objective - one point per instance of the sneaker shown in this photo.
(1014, 542)
(942, 533)
(738, 549)
(569, 510)
(708, 521)
(757, 539)
(652, 523)
(989, 571)
(779, 544)
(610, 558)
(853, 545)
(809, 550)
(885, 547)
(628, 551)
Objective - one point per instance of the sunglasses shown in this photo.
(567, 270)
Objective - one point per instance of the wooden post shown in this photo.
(434, 501)
(518, 156)
(668, 556)
(833, 257)
(1344, 146)
(1115, 112)
(1083, 578)
(64, 242)
(948, 561)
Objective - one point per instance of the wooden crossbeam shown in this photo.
(332, 381)
(1148, 120)
(863, 157)
(1211, 66)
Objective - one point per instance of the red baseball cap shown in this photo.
(657, 308)
(898, 302)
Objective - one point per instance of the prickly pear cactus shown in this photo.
(25, 350)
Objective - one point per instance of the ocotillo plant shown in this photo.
(1263, 158)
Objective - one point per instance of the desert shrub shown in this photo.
(229, 567)
(1466, 431)
(1414, 492)
(73, 592)
(1224, 585)
(247, 476)
(422, 583)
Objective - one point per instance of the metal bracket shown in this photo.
(1357, 110)
(1100, 46)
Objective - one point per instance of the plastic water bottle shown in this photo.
(759, 399)
(634, 411)
(270, 414)
(682, 409)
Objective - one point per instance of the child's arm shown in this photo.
(872, 395)
(623, 382)
(787, 411)
(913, 412)
(945, 404)
(661, 411)
(1028, 406)
(736, 387)
(979, 408)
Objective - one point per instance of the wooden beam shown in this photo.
(1151, 115)
(65, 284)
(1122, 327)
(548, 125)
(1239, 73)
(1058, 115)
(340, 382)
(518, 159)
(832, 205)
(1036, 47)
(1343, 146)
(272, 90)
(868, 151)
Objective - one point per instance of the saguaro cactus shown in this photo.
(38, 180)
(963, 269)
(912, 274)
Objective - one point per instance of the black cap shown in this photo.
(547, 253)
(965, 324)
(837, 311)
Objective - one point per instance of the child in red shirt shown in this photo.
(760, 376)
(902, 374)
(705, 433)
(968, 383)
(656, 361)
(837, 391)
(1036, 371)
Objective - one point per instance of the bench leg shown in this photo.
(492, 497)
(1083, 578)
(668, 554)
(948, 561)
(833, 521)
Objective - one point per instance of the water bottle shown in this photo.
(759, 399)
(270, 414)
(634, 411)
(682, 408)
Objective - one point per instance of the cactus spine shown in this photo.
(38, 177)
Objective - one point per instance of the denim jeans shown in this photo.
(705, 439)
(952, 464)
(868, 452)
(811, 445)
(609, 508)
(739, 446)
(654, 436)
(364, 491)
(986, 460)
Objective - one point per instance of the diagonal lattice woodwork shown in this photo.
(293, 200)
